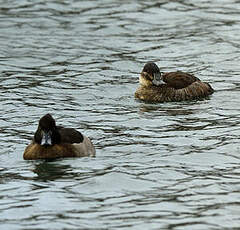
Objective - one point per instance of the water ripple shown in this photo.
(158, 166)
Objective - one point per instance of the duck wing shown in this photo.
(70, 135)
(179, 80)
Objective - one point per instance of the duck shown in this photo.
(51, 141)
(159, 87)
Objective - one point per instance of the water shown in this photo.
(158, 166)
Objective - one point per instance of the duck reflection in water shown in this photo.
(50, 170)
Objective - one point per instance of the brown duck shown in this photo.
(166, 87)
(51, 141)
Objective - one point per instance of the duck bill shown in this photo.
(46, 139)
(157, 79)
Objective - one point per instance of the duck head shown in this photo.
(47, 133)
(150, 75)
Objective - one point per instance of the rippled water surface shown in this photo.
(158, 166)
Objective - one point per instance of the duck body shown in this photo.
(170, 87)
(51, 141)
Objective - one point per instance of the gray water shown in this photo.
(158, 166)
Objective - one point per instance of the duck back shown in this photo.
(179, 80)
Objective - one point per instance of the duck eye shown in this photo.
(151, 76)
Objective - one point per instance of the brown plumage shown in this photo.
(169, 87)
(51, 141)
